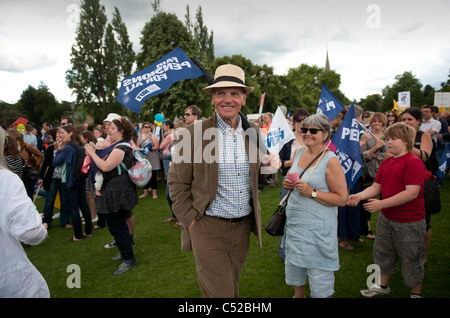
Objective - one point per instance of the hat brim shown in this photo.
(209, 89)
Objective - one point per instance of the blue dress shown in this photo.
(311, 227)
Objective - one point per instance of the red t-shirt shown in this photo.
(393, 175)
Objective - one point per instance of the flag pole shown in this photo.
(369, 131)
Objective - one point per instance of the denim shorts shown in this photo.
(321, 282)
(400, 241)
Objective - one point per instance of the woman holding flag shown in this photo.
(311, 245)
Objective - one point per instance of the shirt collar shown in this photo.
(224, 127)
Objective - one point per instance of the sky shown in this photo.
(368, 42)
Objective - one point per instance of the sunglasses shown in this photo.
(187, 114)
(313, 131)
(146, 126)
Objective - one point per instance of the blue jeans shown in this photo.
(76, 198)
(64, 219)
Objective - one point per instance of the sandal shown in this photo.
(74, 239)
(169, 220)
(370, 235)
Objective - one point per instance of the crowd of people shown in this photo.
(82, 168)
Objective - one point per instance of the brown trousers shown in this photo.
(220, 250)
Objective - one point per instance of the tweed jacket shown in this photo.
(193, 181)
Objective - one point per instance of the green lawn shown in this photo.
(163, 271)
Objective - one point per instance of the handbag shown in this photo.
(431, 195)
(29, 175)
(276, 223)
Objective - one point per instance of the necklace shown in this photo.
(314, 169)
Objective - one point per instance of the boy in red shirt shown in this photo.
(401, 223)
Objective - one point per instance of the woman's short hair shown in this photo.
(319, 121)
(402, 131)
(378, 116)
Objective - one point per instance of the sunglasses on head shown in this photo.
(313, 131)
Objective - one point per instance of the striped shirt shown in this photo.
(14, 165)
(234, 190)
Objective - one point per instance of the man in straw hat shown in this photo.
(217, 200)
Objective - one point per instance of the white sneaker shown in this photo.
(376, 290)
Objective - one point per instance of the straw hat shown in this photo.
(228, 75)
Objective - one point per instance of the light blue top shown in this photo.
(311, 227)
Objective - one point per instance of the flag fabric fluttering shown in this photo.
(329, 104)
(348, 151)
(156, 79)
(279, 133)
(444, 163)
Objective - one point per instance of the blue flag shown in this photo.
(444, 163)
(329, 104)
(348, 151)
(156, 79)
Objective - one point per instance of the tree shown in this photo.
(98, 61)
(404, 83)
(372, 102)
(40, 105)
(308, 81)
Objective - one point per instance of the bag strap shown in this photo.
(304, 170)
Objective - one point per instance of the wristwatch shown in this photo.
(314, 193)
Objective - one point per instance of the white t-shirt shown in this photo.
(19, 221)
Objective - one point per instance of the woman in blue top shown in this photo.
(311, 213)
(74, 189)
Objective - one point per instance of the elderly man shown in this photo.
(217, 200)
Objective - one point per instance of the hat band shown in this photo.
(228, 79)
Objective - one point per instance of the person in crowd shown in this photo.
(443, 136)
(99, 133)
(46, 139)
(119, 194)
(366, 118)
(11, 156)
(217, 200)
(423, 149)
(349, 217)
(74, 187)
(373, 149)
(30, 154)
(311, 245)
(392, 118)
(66, 120)
(107, 122)
(87, 136)
(165, 147)
(429, 124)
(147, 140)
(28, 135)
(50, 178)
(401, 223)
(191, 114)
(20, 222)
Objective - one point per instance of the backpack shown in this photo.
(81, 154)
(141, 171)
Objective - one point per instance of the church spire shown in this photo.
(327, 63)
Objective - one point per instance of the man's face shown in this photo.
(63, 122)
(228, 102)
(426, 113)
(189, 118)
(267, 119)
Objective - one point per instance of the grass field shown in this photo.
(163, 271)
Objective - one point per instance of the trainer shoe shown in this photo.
(123, 268)
(376, 290)
(111, 245)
